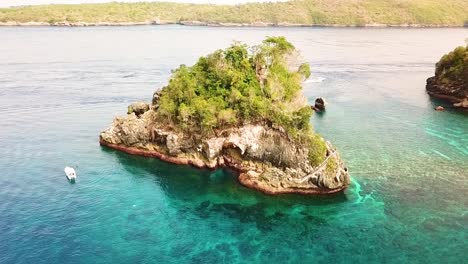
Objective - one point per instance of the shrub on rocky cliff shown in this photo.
(453, 67)
(241, 85)
(238, 84)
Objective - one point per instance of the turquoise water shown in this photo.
(60, 86)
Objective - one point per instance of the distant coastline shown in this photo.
(208, 24)
(296, 13)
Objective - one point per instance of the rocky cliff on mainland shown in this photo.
(264, 156)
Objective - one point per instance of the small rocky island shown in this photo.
(240, 108)
(450, 82)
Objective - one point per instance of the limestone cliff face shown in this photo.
(265, 156)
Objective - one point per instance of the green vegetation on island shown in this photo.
(453, 67)
(451, 78)
(241, 85)
(301, 12)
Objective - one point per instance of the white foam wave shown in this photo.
(315, 80)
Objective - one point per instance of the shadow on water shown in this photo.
(204, 193)
(174, 179)
(320, 114)
(70, 181)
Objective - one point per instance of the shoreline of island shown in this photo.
(241, 173)
(219, 24)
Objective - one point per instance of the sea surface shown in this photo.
(59, 87)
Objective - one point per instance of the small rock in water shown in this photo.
(440, 108)
(319, 105)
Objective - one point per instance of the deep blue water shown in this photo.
(59, 87)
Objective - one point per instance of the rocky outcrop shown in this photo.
(450, 81)
(265, 157)
(220, 112)
(453, 93)
(138, 108)
(319, 105)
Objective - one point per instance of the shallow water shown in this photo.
(60, 86)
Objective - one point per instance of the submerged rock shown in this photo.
(268, 155)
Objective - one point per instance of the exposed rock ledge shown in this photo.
(265, 157)
(450, 92)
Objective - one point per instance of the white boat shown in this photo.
(71, 174)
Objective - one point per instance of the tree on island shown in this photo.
(240, 85)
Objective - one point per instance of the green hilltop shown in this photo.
(297, 12)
